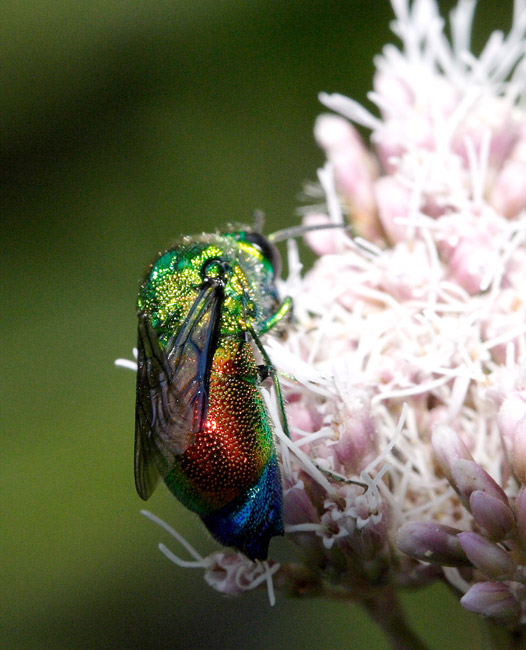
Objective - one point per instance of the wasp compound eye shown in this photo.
(266, 248)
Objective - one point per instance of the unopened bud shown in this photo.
(432, 543)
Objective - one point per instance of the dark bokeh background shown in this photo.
(123, 125)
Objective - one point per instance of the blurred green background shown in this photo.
(123, 125)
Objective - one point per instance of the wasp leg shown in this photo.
(283, 310)
(268, 370)
(264, 372)
(341, 479)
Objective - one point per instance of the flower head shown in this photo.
(426, 306)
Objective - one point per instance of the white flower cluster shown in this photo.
(424, 305)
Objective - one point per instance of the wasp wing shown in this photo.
(172, 387)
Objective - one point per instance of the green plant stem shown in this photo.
(385, 609)
(497, 637)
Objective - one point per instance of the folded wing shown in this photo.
(173, 386)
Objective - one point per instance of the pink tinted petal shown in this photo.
(467, 476)
(448, 448)
(303, 417)
(493, 599)
(490, 116)
(468, 265)
(354, 171)
(508, 195)
(395, 90)
(518, 454)
(394, 203)
(491, 559)
(356, 446)
(297, 505)
(224, 571)
(511, 412)
(322, 242)
(494, 518)
(432, 543)
(520, 508)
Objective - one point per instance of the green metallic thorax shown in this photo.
(175, 279)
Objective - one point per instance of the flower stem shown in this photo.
(497, 637)
(385, 609)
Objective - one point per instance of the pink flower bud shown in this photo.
(490, 115)
(391, 144)
(354, 171)
(395, 90)
(448, 448)
(406, 270)
(509, 192)
(467, 476)
(303, 417)
(520, 508)
(511, 412)
(494, 518)
(229, 573)
(493, 599)
(432, 543)
(492, 560)
(356, 446)
(468, 265)
(322, 242)
(518, 454)
(394, 203)
(402, 133)
(297, 505)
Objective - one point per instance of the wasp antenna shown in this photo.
(298, 231)
(259, 220)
